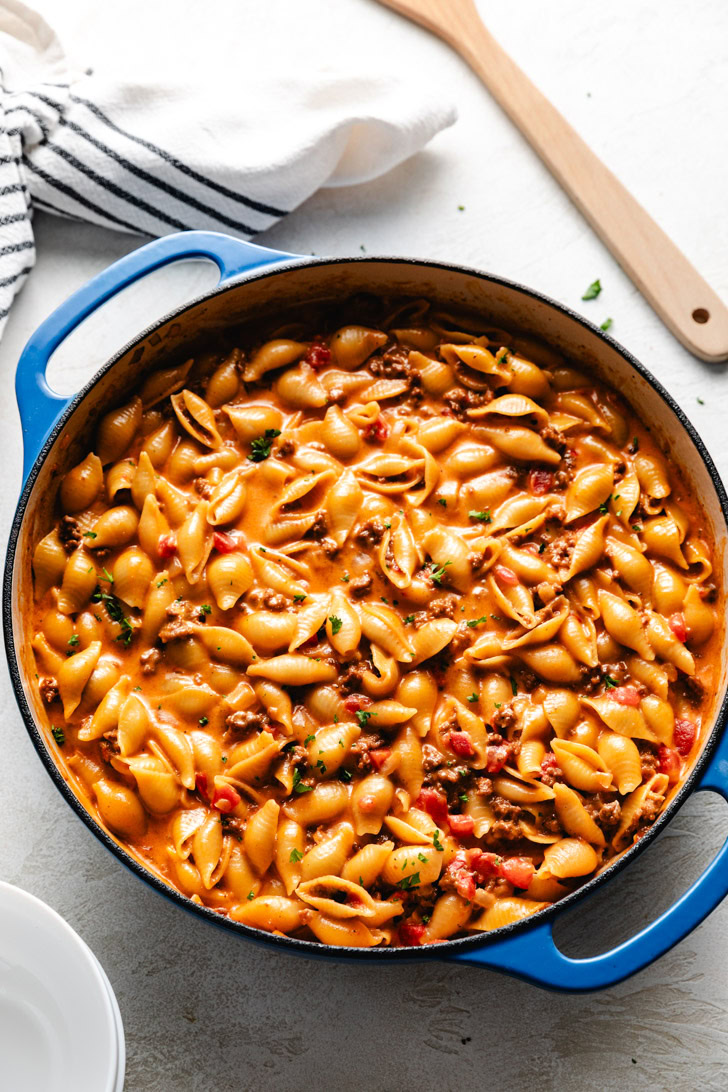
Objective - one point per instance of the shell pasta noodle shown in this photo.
(375, 634)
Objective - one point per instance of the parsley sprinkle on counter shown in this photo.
(606, 325)
(592, 291)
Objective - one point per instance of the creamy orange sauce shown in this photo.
(375, 637)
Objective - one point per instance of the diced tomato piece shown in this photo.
(355, 702)
(465, 884)
(504, 575)
(411, 933)
(684, 736)
(377, 430)
(224, 543)
(540, 481)
(461, 824)
(435, 804)
(676, 623)
(201, 785)
(486, 865)
(496, 757)
(318, 355)
(379, 756)
(517, 870)
(167, 546)
(461, 745)
(226, 798)
(625, 695)
(668, 762)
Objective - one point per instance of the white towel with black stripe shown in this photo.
(155, 157)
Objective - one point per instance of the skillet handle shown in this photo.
(533, 955)
(40, 407)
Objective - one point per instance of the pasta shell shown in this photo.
(81, 486)
(49, 562)
(590, 488)
(352, 345)
(161, 384)
(294, 670)
(117, 430)
(196, 418)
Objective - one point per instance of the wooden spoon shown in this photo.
(684, 301)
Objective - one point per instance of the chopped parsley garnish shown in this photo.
(436, 841)
(363, 715)
(298, 785)
(73, 640)
(205, 609)
(90, 534)
(442, 501)
(299, 598)
(476, 621)
(606, 325)
(542, 547)
(472, 698)
(107, 575)
(203, 721)
(637, 527)
(609, 682)
(116, 614)
(251, 896)
(592, 291)
(463, 797)
(603, 507)
(700, 401)
(346, 578)
(260, 448)
(482, 517)
(514, 686)
(408, 882)
(336, 624)
(161, 583)
(438, 572)
(309, 739)
(59, 735)
(321, 765)
(296, 856)
(421, 857)
(345, 775)
(409, 619)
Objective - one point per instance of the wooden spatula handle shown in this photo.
(683, 300)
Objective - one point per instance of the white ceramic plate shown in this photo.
(60, 1026)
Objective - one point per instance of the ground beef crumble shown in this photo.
(203, 487)
(69, 532)
(149, 660)
(360, 585)
(247, 721)
(370, 533)
(459, 401)
(49, 689)
(184, 617)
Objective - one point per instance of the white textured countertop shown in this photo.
(646, 83)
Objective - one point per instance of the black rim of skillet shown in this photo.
(441, 949)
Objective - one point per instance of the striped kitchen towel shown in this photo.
(155, 157)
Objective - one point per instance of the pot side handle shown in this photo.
(40, 406)
(533, 956)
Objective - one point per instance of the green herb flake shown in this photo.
(700, 401)
(514, 686)
(205, 609)
(603, 507)
(637, 527)
(436, 841)
(363, 715)
(476, 621)
(251, 896)
(107, 575)
(542, 547)
(438, 572)
(73, 640)
(321, 765)
(421, 857)
(442, 501)
(409, 619)
(260, 448)
(309, 739)
(481, 517)
(298, 785)
(116, 614)
(609, 682)
(346, 578)
(90, 534)
(606, 325)
(592, 291)
(472, 698)
(463, 797)
(161, 583)
(59, 735)
(345, 775)
(336, 624)
(298, 598)
(408, 882)
(296, 856)
(203, 721)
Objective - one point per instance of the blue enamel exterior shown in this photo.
(530, 953)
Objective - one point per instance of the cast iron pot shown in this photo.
(259, 282)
